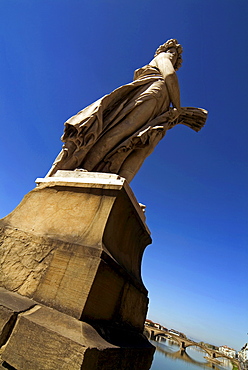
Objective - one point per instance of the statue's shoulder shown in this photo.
(146, 71)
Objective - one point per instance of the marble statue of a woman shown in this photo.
(117, 132)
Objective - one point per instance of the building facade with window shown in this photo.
(230, 352)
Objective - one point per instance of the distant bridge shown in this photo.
(182, 355)
(154, 333)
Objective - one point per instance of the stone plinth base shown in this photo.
(33, 336)
(73, 247)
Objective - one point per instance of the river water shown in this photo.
(169, 357)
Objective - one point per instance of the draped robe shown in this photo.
(117, 132)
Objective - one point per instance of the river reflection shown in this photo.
(168, 356)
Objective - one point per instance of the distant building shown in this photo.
(158, 326)
(149, 323)
(174, 332)
(178, 333)
(155, 325)
(230, 352)
(161, 327)
(164, 328)
(243, 353)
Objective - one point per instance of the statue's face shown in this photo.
(173, 56)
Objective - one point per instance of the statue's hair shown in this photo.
(172, 43)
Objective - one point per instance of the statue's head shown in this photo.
(172, 45)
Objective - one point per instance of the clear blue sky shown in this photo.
(58, 56)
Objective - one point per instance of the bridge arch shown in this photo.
(184, 343)
(209, 352)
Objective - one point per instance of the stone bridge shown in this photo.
(153, 333)
(182, 355)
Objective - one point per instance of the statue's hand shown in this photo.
(174, 113)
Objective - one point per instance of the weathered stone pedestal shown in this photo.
(72, 296)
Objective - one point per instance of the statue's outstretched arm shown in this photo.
(163, 63)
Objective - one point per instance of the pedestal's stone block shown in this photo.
(75, 244)
(42, 338)
(10, 305)
(48, 339)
